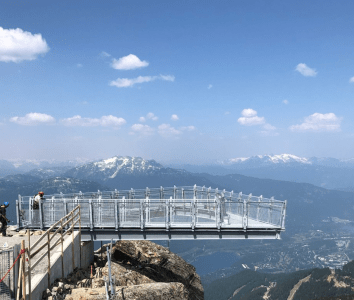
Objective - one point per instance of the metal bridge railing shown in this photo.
(161, 208)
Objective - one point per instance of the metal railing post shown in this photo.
(147, 209)
(91, 214)
(270, 211)
(41, 213)
(99, 208)
(245, 215)
(161, 193)
(142, 215)
(239, 201)
(109, 270)
(260, 198)
(283, 214)
(20, 204)
(116, 214)
(167, 203)
(194, 219)
(18, 214)
(124, 215)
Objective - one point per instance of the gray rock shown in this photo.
(153, 291)
(144, 262)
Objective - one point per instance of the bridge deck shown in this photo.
(172, 213)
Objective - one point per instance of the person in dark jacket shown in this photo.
(3, 219)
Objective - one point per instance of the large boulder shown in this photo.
(145, 263)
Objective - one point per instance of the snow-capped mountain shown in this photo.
(115, 166)
(126, 172)
(269, 159)
(286, 159)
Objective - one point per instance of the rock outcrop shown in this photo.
(142, 270)
(144, 262)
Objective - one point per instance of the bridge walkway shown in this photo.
(191, 212)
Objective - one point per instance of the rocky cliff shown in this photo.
(142, 270)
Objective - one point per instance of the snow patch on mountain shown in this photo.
(118, 165)
(275, 159)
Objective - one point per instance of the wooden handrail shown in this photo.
(64, 221)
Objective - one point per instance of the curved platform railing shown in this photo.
(176, 209)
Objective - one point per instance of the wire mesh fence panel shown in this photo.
(85, 212)
(156, 213)
(205, 212)
(108, 213)
(7, 285)
(181, 213)
(130, 213)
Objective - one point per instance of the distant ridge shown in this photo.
(125, 172)
(290, 159)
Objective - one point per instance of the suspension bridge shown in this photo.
(190, 212)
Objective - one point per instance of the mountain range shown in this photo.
(311, 284)
(330, 173)
(319, 224)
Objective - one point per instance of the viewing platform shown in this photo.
(189, 212)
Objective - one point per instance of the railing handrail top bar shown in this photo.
(201, 200)
(228, 195)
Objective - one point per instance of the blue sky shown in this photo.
(179, 81)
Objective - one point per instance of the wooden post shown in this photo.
(72, 240)
(62, 248)
(19, 282)
(48, 235)
(23, 259)
(29, 265)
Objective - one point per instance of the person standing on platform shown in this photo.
(3, 219)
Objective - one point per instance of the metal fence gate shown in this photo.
(7, 286)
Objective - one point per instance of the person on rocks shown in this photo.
(3, 219)
(37, 198)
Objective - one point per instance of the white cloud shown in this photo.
(250, 118)
(319, 122)
(166, 77)
(286, 101)
(269, 133)
(166, 130)
(79, 65)
(105, 121)
(127, 82)
(104, 54)
(142, 129)
(151, 116)
(351, 79)
(305, 70)
(210, 86)
(129, 62)
(188, 128)
(269, 127)
(33, 119)
(17, 45)
(174, 118)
